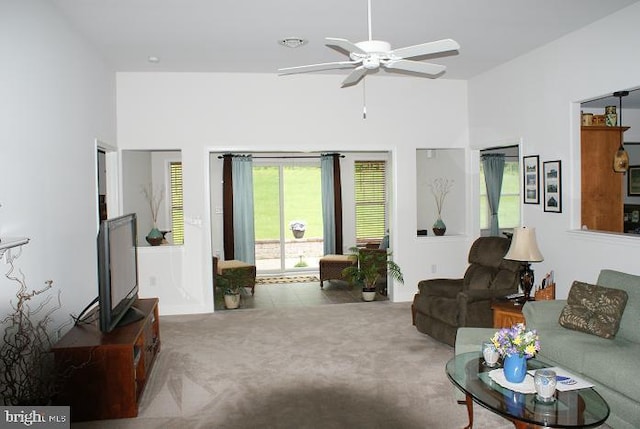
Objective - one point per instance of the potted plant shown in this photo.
(232, 282)
(370, 265)
(298, 227)
(440, 187)
(155, 236)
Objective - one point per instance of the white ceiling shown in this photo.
(242, 35)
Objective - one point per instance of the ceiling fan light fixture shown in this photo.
(371, 55)
(292, 42)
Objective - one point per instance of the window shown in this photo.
(177, 210)
(509, 210)
(371, 200)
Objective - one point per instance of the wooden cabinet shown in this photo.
(104, 374)
(602, 188)
(506, 314)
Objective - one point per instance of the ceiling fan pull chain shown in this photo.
(364, 97)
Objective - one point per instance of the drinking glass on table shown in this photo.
(545, 382)
(490, 353)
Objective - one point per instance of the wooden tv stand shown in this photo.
(105, 374)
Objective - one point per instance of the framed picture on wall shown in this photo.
(552, 174)
(531, 179)
(633, 181)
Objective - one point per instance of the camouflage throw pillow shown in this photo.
(594, 309)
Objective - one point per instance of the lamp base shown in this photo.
(526, 281)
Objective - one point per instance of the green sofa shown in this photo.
(612, 365)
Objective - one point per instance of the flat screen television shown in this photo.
(118, 272)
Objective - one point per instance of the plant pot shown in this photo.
(368, 294)
(232, 301)
(297, 233)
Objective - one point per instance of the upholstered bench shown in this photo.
(331, 266)
(221, 268)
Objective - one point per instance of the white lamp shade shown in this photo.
(524, 246)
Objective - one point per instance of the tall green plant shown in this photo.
(370, 263)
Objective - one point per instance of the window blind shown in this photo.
(177, 210)
(370, 200)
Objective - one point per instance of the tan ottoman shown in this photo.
(249, 271)
(331, 266)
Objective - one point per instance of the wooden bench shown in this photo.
(331, 266)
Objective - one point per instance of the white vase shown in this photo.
(232, 301)
(368, 295)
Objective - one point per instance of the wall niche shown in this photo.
(446, 165)
(150, 170)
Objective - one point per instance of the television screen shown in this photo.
(117, 271)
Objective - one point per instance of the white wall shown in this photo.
(57, 98)
(535, 97)
(200, 113)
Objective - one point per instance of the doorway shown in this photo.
(288, 215)
(106, 181)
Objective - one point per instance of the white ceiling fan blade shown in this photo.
(345, 44)
(355, 76)
(429, 48)
(318, 67)
(415, 66)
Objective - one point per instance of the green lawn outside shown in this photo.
(303, 201)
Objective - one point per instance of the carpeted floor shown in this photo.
(359, 365)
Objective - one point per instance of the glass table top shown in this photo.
(583, 408)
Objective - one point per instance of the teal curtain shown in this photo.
(243, 223)
(328, 204)
(493, 165)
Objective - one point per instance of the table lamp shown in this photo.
(524, 248)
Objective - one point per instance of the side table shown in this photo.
(506, 313)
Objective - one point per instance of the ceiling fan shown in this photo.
(371, 55)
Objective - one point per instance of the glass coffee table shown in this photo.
(582, 408)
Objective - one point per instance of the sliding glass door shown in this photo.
(288, 214)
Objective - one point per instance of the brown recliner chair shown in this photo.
(443, 305)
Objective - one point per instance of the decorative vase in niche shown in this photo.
(515, 368)
(154, 237)
(439, 227)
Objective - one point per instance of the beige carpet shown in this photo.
(337, 366)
